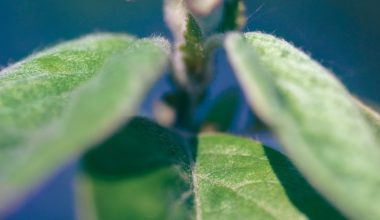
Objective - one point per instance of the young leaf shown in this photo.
(193, 24)
(315, 118)
(59, 101)
(148, 172)
(190, 61)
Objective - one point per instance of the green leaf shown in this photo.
(190, 60)
(141, 172)
(315, 118)
(148, 172)
(194, 25)
(59, 101)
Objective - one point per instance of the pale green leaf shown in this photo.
(148, 172)
(55, 103)
(315, 118)
(190, 60)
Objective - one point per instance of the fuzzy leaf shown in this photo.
(148, 172)
(193, 24)
(189, 58)
(315, 118)
(59, 101)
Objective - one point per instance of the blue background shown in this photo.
(341, 34)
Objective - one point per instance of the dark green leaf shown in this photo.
(142, 172)
(148, 172)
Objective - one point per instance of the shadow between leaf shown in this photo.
(141, 172)
(299, 191)
(139, 148)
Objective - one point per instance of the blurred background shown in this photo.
(344, 35)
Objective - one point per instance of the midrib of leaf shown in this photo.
(234, 190)
(194, 183)
(220, 183)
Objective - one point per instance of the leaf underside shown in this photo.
(317, 121)
(59, 101)
(148, 172)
